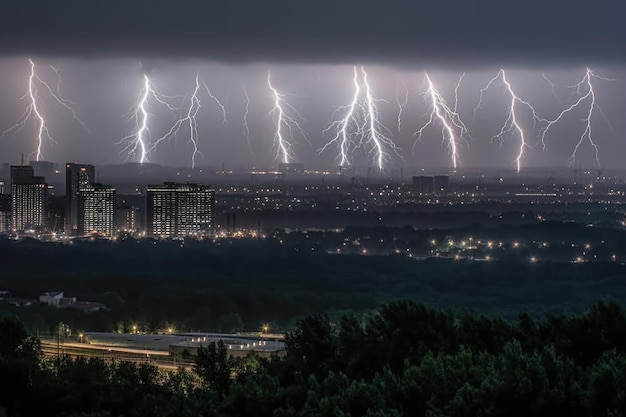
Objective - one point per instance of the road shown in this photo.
(160, 359)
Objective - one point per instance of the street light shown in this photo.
(134, 328)
(80, 335)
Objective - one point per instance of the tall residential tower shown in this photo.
(29, 199)
(179, 210)
(96, 210)
(76, 176)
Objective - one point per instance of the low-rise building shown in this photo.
(52, 299)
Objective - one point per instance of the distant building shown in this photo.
(46, 169)
(5, 221)
(56, 212)
(5, 171)
(441, 183)
(96, 210)
(424, 184)
(56, 299)
(178, 210)
(29, 199)
(127, 219)
(76, 176)
(52, 299)
(291, 168)
(5, 213)
(21, 173)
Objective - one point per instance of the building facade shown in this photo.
(29, 199)
(441, 183)
(96, 210)
(128, 219)
(76, 176)
(424, 184)
(179, 210)
(5, 213)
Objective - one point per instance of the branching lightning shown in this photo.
(377, 138)
(511, 125)
(33, 110)
(584, 90)
(246, 127)
(188, 119)
(402, 102)
(288, 123)
(453, 129)
(345, 129)
(361, 127)
(139, 143)
(218, 102)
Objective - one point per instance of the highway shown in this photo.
(160, 359)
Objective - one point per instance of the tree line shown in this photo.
(404, 359)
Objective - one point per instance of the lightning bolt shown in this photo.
(360, 126)
(285, 117)
(456, 92)
(511, 125)
(32, 94)
(402, 102)
(453, 128)
(377, 139)
(218, 102)
(552, 85)
(188, 119)
(341, 128)
(138, 142)
(33, 110)
(246, 128)
(584, 90)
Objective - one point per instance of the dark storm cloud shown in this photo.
(463, 32)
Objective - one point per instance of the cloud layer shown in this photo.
(404, 32)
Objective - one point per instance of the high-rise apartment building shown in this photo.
(128, 218)
(5, 213)
(178, 210)
(424, 184)
(76, 176)
(96, 210)
(441, 183)
(29, 199)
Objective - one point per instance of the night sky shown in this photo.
(103, 48)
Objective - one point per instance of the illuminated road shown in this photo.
(160, 359)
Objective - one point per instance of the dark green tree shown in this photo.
(214, 367)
